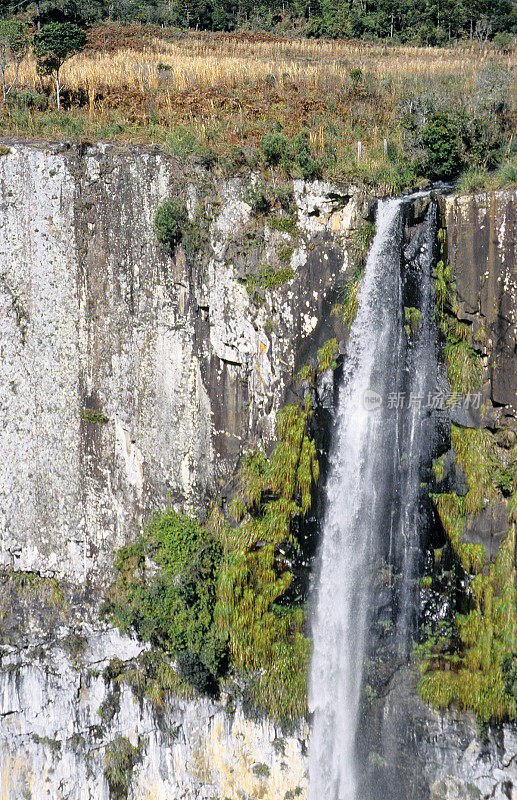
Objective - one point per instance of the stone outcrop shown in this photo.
(482, 251)
(61, 715)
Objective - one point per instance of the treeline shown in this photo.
(434, 22)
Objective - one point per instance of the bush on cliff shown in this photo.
(166, 591)
(170, 221)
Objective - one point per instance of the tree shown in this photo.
(14, 45)
(53, 45)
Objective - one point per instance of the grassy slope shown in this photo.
(199, 94)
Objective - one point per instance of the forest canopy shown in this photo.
(433, 22)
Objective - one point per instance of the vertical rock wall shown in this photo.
(130, 379)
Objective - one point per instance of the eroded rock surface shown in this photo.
(129, 379)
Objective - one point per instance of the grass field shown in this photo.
(194, 92)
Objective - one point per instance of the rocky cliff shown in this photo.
(132, 380)
(129, 377)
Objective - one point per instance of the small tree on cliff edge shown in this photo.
(53, 44)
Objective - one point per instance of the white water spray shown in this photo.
(372, 496)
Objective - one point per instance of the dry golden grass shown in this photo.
(207, 61)
(201, 93)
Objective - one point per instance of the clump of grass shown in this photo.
(270, 278)
(347, 307)
(120, 759)
(464, 367)
(94, 415)
(285, 253)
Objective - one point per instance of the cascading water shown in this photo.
(372, 497)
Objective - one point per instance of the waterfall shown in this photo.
(372, 495)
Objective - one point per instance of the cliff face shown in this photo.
(130, 380)
(482, 242)
(128, 376)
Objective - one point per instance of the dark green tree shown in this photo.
(53, 45)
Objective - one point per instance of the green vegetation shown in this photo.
(480, 673)
(412, 318)
(258, 200)
(440, 140)
(289, 107)
(173, 606)
(261, 770)
(170, 222)
(361, 242)
(285, 252)
(172, 226)
(270, 278)
(53, 744)
(31, 586)
(94, 415)
(420, 22)
(346, 308)
(119, 760)
(264, 634)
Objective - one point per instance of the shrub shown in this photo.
(440, 138)
(261, 770)
(284, 197)
(173, 608)
(310, 167)
(258, 200)
(482, 139)
(169, 223)
(275, 148)
(504, 41)
(28, 99)
(312, 170)
(119, 760)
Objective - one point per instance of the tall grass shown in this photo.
(204, 61)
